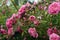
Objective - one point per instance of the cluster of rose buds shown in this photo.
(52, 33)
(34, 20)
(54, 8)
(9, 23)
(2, 31)
(12, 20)
(32, 32)
(51, 30)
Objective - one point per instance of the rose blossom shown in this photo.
(3, 31)
(22, 10)
(49, 31)
(9, 23)
(54, 36)
(54, 8)
(32, 32)
(32, 18)
(11, 20)
(10, 31)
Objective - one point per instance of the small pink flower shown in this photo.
(10, 31)
(36, 22)
(32, 18)
(23, 7)
(3, 31)
(11, 20)
(54, 36)
(32, 32)
(28, 4)
(49, 31)
(22, 10)
(54, 8)
(9, 23)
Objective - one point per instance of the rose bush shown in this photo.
(32, 20)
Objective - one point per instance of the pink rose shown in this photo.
(32, 32)
(10, 31)
(54, 36)
(11, 20)
(9, 23)
(3, 31)
(54, 8)
(22, 10)
(32, 18)
(49, 31)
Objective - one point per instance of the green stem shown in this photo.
(14, 5)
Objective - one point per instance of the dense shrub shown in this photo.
(30, 20)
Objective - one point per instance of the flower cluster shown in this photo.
(52, 33)
(22, 12)
(52, 30)
(13, 19)
(9, 23)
